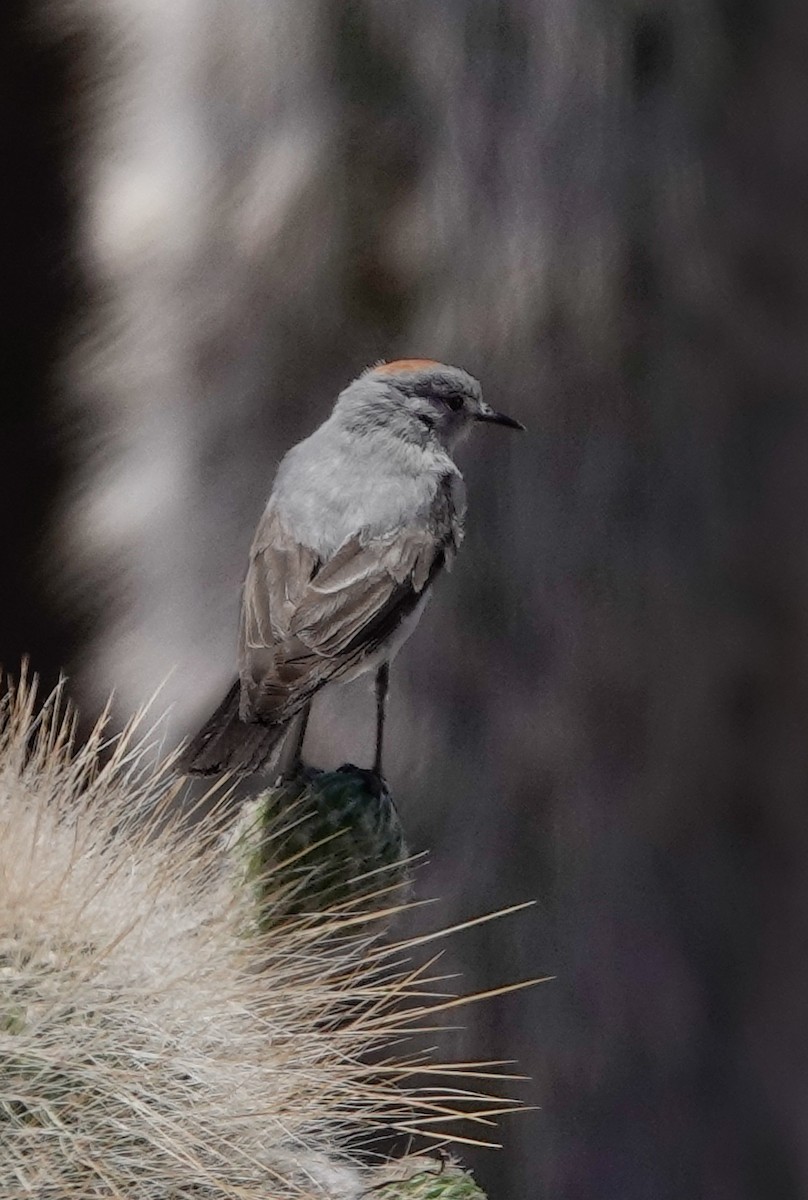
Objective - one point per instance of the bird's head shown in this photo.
(419, 399)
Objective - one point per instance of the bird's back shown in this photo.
(334, 485)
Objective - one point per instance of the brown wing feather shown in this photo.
(306, 623)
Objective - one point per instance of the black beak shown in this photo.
(495, 418)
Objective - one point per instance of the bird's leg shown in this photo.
(289, 760)
(382, 684)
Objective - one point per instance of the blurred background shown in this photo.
(222, 210)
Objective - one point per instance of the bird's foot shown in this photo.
(373, 781)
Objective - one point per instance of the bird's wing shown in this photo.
(305, 622)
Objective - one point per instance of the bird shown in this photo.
(363, 515)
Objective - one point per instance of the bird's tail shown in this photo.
(226, 743)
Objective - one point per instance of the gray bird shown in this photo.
(363, 515)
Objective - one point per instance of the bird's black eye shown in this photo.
(438, 392)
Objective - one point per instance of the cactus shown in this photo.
(420, 1178)
(323, 840)
(142, 1053)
